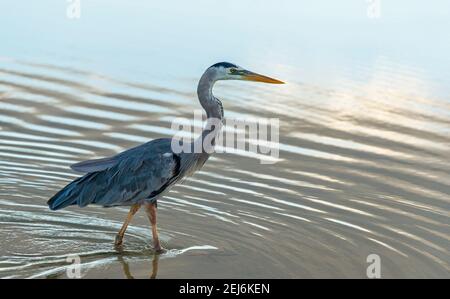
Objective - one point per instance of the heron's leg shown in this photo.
(151, 212)
(134, 208)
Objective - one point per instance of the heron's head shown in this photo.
(229, 71)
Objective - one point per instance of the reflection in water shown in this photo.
(125, 259)
(126, 267)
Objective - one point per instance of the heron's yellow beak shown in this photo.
(250, 76)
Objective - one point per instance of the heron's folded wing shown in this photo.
(95, 164)
(108, 162)
(132, 180)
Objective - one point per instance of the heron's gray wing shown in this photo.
(132, 180)
(95, 164)
(108, 162)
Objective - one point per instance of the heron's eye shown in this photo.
(233, 71)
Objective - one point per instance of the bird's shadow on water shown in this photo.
(126, 266)
(127, 271)
(155, 257)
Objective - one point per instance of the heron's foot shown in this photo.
(119, 240)
(158, 249)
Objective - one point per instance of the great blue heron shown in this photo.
(141, 175)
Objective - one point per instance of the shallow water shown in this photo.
(364, 139)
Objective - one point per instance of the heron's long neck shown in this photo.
(213, 108)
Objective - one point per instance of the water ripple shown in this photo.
(363, 168)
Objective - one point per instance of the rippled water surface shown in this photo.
(364, 138)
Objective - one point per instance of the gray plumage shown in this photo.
(140, 174)
(144, 173)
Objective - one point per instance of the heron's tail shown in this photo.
(69, 195)
(63, 198)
